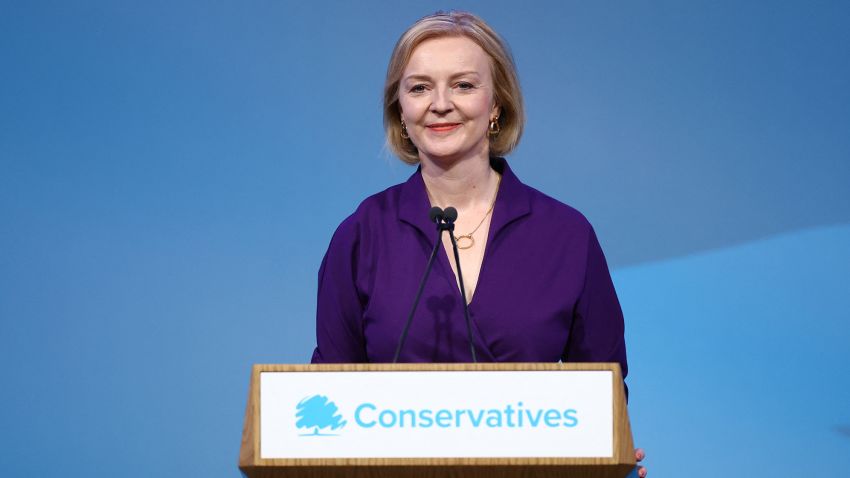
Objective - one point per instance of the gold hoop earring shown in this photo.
(494, 128)
(404, 130)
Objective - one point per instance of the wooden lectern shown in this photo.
(486, 420)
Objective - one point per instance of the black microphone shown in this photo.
(450, 217)
(436, 215)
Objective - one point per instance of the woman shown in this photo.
(535, 279)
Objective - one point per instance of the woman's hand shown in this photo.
(639, 456)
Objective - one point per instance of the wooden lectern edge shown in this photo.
(249, 459)
(430, 471)
(436, 367)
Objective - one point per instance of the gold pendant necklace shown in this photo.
(466, 241)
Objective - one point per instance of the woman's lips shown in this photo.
(443, 127)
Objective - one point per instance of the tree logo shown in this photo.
(317, 412)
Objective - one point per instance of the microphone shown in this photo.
(450, 215)
(436, 215)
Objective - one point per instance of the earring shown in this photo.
(494, 127)
(404, 130)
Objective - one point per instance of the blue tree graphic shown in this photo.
(318, 412)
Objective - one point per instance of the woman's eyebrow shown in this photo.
(417, 77)
(423, 77)
(465, 73)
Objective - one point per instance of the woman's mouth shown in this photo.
(443, 127)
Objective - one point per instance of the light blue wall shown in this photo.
(171, 173)
(739, 357)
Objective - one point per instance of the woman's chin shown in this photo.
(442, 157)
(451, 155)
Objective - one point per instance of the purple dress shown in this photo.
(544, 292)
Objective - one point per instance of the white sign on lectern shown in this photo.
(407, 414)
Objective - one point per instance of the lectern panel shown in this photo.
(436, 414)
(488, 420)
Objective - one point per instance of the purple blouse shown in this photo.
(544, 292)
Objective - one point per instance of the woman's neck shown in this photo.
(462, 184)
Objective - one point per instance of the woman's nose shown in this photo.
(441, 102)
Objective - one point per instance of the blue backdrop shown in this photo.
(171, 173)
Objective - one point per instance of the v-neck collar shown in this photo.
(513, 201)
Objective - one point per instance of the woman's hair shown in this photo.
(506, 91)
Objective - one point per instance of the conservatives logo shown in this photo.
(318, 412)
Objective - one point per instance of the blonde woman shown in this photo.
(535, 279)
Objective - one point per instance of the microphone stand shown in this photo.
(436, 215)
(450, 216)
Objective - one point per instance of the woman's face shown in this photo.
(446, 99)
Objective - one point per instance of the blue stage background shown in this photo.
(171, 174)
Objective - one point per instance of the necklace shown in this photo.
(466, 241)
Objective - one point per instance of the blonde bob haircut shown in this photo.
(506, 90)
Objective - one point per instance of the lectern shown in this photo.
(437, 420)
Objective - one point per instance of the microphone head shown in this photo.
(450, 214)
(436, 214)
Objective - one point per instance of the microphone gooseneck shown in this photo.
(437, 216)
(450, 217)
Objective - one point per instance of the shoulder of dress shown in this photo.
(387, 197)
(377, 207)
(547, 208)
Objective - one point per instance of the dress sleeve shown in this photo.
(339, 311)
(597, 330)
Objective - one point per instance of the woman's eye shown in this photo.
(417, 89)
(465, 85)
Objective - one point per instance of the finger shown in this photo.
(639, 454)
(642, 472)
